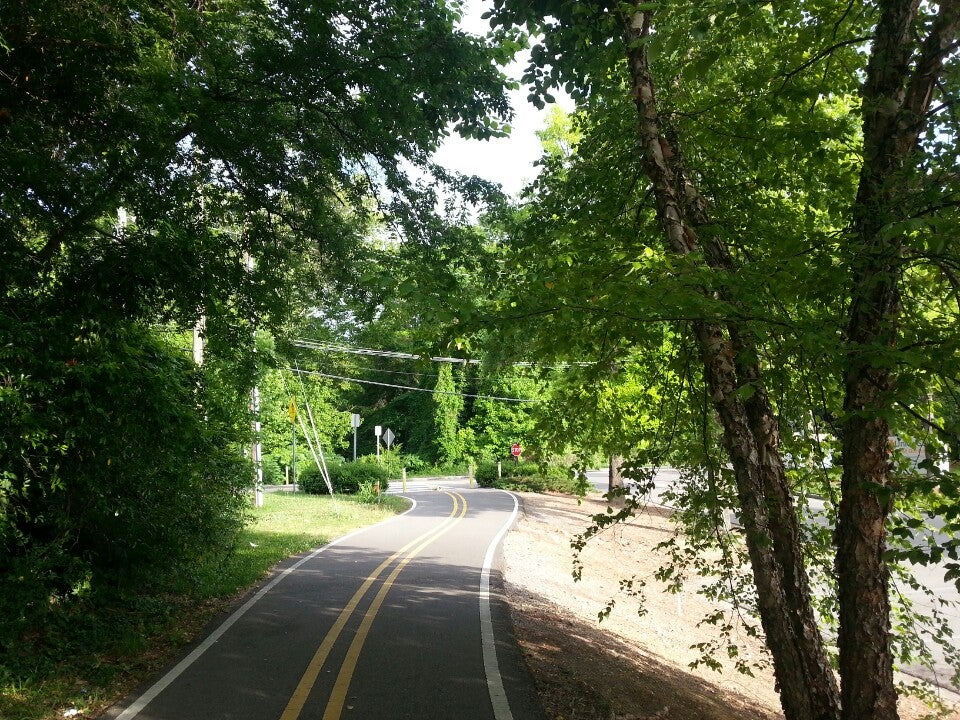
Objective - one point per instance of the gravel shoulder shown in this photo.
(632, 665)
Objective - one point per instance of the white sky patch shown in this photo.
(507, 161)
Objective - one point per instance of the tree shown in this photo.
(767, 91)
(497, 424)
(312, 396)
(447, 406)
(904, 75)
(166, 162)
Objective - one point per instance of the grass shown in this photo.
(87, 656)
(289, 524)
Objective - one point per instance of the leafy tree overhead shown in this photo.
(264, 118)
(777, 184)
(166, 162)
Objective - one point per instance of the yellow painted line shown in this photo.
(339, 693)
(299, 697)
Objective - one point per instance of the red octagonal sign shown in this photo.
(515, 450)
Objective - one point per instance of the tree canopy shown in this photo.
(740, 258)
(166, 166)
(771, 192)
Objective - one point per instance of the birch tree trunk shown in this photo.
(806, 682)
(901, 80)
(615, 473)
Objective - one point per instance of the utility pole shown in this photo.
(257, 449)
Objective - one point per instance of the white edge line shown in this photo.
(498, 696)
(158, 687)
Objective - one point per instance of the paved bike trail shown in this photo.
(390, 622)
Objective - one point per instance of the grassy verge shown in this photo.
(89, 655)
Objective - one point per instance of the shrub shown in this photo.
(390, 460)
(486, 474)
(527, 477)
(309, 480)
(369, 493)
(346, 478)
(415, 463)
(121, 470)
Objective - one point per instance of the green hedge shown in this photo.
(527, 477)
(346, 478)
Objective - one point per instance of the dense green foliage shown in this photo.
(348, 478)
(170, 166)
(111, 479)
(528, 477)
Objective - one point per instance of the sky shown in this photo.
(507, 161)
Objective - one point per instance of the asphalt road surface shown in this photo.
(400, 620)
(665, 478)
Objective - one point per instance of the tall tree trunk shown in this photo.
(615, 474)
(807, 686)
(901, 78)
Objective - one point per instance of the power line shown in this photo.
(394, 372)
(331, 347)
(338, 348)
(407, 387)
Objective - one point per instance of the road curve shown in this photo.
(393, 621)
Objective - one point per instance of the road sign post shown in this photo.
(292, 411)
(378, 431)
(354, 423)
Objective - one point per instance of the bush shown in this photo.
(527, 477)
(369, 493)
(486, 474)
(309, 480)
(349, 477)
(346, 478)
(390, 460)
(121, 469)
(415, 463)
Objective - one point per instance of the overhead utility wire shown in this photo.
(367, 368)
(408, 387)
(332, 347)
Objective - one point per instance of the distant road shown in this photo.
(664, 478)
(401, 620)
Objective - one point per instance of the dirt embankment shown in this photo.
(631, 666)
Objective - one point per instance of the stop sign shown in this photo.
(515, 450)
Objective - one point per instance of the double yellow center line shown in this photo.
(339, 693)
